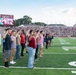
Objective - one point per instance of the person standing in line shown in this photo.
(52, 39)
(27, 35)
(46, 40)
(13, 47)
(22, 42)
(18, 38)
(41, 43)
(7, 49)
(31, 49)
(37, 48)
(3, 39)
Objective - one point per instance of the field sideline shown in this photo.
(54, 62)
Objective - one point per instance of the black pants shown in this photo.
(22, 49)
(46, 45)
(36, 53)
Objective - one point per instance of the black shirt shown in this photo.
(46, 38)
(8, 42)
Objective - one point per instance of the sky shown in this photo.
(47, 11)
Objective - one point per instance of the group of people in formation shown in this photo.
(14, 43)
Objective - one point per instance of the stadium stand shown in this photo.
(59, 30)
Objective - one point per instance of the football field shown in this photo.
(60, 59)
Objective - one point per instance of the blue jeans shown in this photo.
(17, 51)
(31, 52)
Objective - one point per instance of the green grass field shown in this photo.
(54, 62)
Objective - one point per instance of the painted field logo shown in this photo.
(66, 48)
(73, 64)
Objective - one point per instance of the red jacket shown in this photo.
(32, 42)
(22, 39)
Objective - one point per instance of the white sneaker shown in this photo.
(12, 62)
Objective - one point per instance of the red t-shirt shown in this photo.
(32, 42)
(22, 39)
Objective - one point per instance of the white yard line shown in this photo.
(55, 68)
(58, 53)
(41, 68)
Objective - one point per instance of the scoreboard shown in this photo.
(6, 19)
